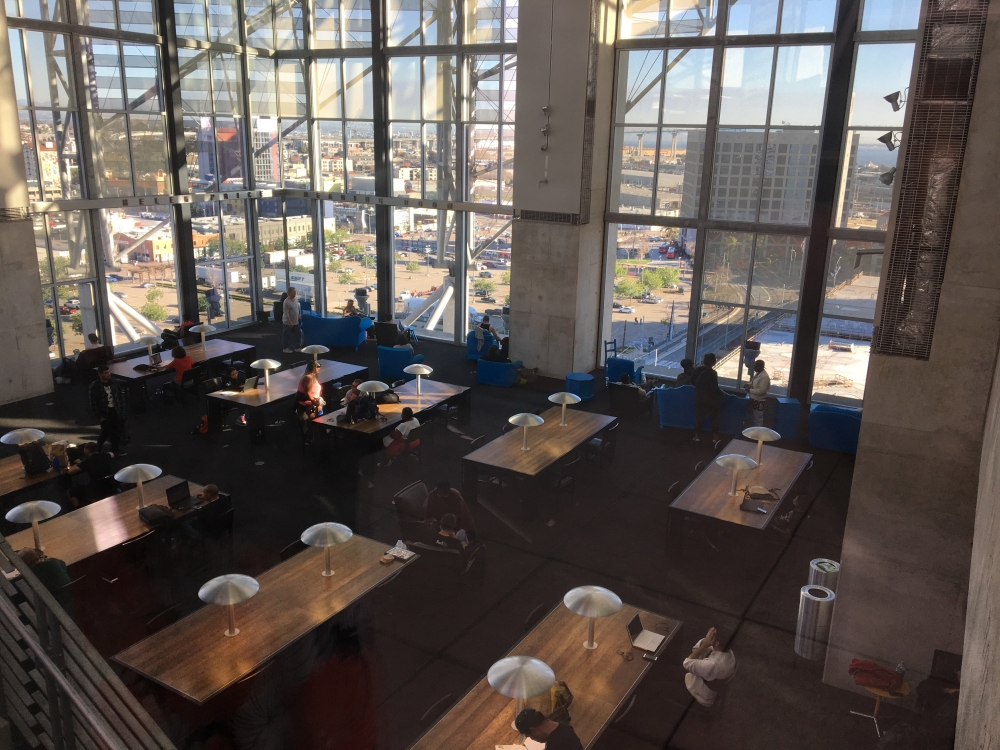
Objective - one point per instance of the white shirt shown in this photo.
(110, 395)
(404, 429)
(291, 311)
(89, 345)
(716, 665)
(760, 384)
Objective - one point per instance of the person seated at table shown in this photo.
(96, 465)
(209, 494)
(232, 380)
(309, 400)
(353, 394)
(557, 735)
(51, 572)
(180, 364)
(350, 311)
(403, 342)
(708, 661)
(448, 534)
(397, 443)
(442, 500)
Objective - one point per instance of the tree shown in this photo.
(484, 285)
(212, 247)
(153, 309)
(76, 322)
(346, 277)
(505, 278)
(235, 247)
(621, 270)
(353, 250)
(202, 304)
(412, 266)
(506, 300)
(628, 288)
(334, 264)
(335, 236)
(367, 261)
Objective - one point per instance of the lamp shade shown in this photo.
(592, 601)
(33, 511)
(418, 369)
(521, 677)
(22, 436)
(265, 364)
(526, 420)
(761, 433)
(149, 340)
(228, 589)
(326, 535)
(315, 349)
(202, 328)
(564, 397)
(137, 473)
(735, 462)
(373, 386)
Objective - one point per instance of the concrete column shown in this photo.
(557, 269)
(24, 369)
(907, 547)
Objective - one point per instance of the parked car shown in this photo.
(148, 285)
(490, 300)
(113, 277)
(485, 275)
(616, 305)
(626, 309)
(72, 303)
(120, 295)
(481, 292)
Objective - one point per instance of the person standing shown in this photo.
(707, 396)
(291, 318)
(107, 401)
(687, 369)
(759, 385)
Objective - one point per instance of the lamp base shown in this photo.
(328, 574)
(590, 646)
(230, 635)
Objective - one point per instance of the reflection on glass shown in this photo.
(842, 357)
(291, 89)
(753, 17)
(222, 21)
(45, 11)
(264, 144)
(404, 88)
(106, 90)
(196, 86)
(678, 173)
(259, 24)
(727, 266)
(99, 13)
(689, 77)
(114, 176)
(357, 23)
(289, 32)
(407, 172)
(485, 87)
(230, 148)
(228, 84)
(777, 271)
(639, 98)
(190, 18)
(58, 161)
(326, 24)
(746, 80)
(852, 279)
(864, 201)
(439, 88)
(69, 239)
(800, 85)
(295, 155)
(48, 70)
(879, 69)
(439, 163)
(149, 154)
(331, 150)
(890, 14)
(41, 248)
(137, 16)
(507, 165)
(263, 97)
(637, 146)
(328, 98)
(440, 22)
(485, 148)
(807, 16)
(789, 176)
(358, 88)
(403, 22)
(643, 19)
(739, 156)
(692, 17)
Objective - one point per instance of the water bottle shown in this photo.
(55, 464)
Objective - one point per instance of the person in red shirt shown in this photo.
(443, 500)
(180, 364)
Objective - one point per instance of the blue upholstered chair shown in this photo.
(334, 332)
(615, 367)
(497, 373)
(834, 428)
(786, 417)
(472, 348)
(392, 361)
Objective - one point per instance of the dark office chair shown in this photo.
(160, 620)
(215, 520)
(409, 502)
(562, 477)
(292, 549)
(603, 446)
(190, 383)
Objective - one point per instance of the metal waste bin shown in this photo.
(815, 614)
(824, 572)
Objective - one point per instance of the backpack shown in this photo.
(560, 699)
(34, 458)
(387, 397)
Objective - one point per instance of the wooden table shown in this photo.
(547, 444)
(283, 386)
(214, 350)
(13, 479)
(432, 395)
(708, 494)
(600, 680)
(86, 531)
(193, 658)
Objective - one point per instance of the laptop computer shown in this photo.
(643, 639)
(250, 384)
(179, 496)
(156, 359)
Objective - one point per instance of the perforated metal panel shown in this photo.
(941, 106)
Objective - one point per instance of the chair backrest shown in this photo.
(292, 549)
(211, 385)
(386, 333)
(216, 518)
(398, 383)
(410, 500)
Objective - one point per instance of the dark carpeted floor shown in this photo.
(368, 679)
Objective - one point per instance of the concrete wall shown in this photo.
(557, 269)
(24, 368)
(908, 541)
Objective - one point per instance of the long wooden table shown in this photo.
(547, 443)
(13, 479)
(193, 658)
(600, 680)
(214, 350)
(283, 386)
(432, 395)
(86, 531)
(708, 494)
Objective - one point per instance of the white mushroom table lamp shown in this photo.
(327, 536)
(526, 420)
(373, 386)
(137, 474)
(149, 342)
(565, 398)
(228, 591)
(266, 365)
(315, 350)
(22, 436)
(418, 370)
(521, 677)
(202, 328)
(761, 435)
(32, 512)
(736, 463)
(591, 602)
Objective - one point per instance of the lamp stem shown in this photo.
(563, 422)
(732, 490)
(418, 384)
(232, 621)
(37, 535)
(267, 380)
(760, 452)
(590, 635)
(524, 443)
(315, 356)
(142, 503)
(149, 348)
(518, 705)
(329, 568)
(203, 341)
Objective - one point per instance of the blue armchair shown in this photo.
(497, 373)
(392, 361)
(472, 349)
(615, 367)
(676, 406)
(834, 428)
(786, 417)
(335, 332)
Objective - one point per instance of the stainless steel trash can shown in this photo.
(815, 614)
(824, 572)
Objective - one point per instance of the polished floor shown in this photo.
(369, 679)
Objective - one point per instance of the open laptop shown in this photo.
(156, 359)
(179, 496)
(643, 639)
(250, 384)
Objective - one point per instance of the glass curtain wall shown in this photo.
(718, 119)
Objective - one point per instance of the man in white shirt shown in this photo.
(759, 385)
(291, 334)
(707, 662)
(402, 431)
